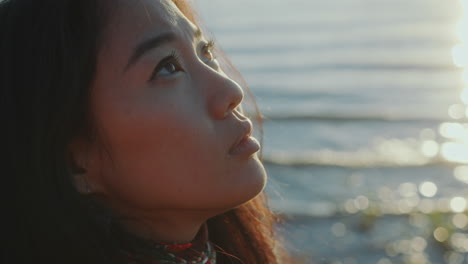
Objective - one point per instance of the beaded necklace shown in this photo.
(143, 251)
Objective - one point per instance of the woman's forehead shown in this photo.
(135, 21)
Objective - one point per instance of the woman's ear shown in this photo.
(80, 165)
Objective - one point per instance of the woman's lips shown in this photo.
(247, 146)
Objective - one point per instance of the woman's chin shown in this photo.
(253, 183)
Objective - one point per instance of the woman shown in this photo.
(125, 139)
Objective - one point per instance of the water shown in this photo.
(363, 107)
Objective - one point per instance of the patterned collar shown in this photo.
(142, 251)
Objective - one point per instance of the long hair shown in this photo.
(47, 65)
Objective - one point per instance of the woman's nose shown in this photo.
(224, 94)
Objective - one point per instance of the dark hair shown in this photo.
(48, 63)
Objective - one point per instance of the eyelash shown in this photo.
(172, 58)
(175, 59)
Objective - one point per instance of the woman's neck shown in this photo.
(169, 227)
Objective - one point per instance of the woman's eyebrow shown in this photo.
(154, 42)
(149, 44)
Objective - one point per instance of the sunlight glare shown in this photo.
(418, 244)
(350, 207)
(462, 26)
(461, 173)
(460, 55)
(461, 30)
(430, 148)
(428, 189)
(453, 131)
(441, 234)
(361, 202)
(464, 96)
(453, 257)
(460, 220)
(456, 111)
(460, 242)
(455, 152)
(458, 204)
(465, 76)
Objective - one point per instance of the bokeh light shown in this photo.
(462, 26)
(418, 244)
(428, 189)
(460, 220)
(458, 204)
(350, 207)
(455, 152)
(464, 96)
(362, 202)
(460, 55)
(430, 148)
(453, 257)
(457, 111)
(459, 241)
(461, 173)
(339, 229)
(441, 234)
(451, 130)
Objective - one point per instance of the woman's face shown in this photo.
(168, 117)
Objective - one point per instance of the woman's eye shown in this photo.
(207, 52)
(167, 67)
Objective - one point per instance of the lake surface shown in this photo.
(366, 133)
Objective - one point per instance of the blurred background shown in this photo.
(366, 136)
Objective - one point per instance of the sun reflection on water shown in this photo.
(461, 173)
(460, 221)
(428, 189)
(460, 55)
(455, 152)
(455, 149)
(430, 148)
(441, 214)
(464, 96)
(458, 204)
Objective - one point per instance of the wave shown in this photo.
(354, 67)
(349, 118)
(304, 208)
(387, 155)
(389, 44)
(307, 209)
